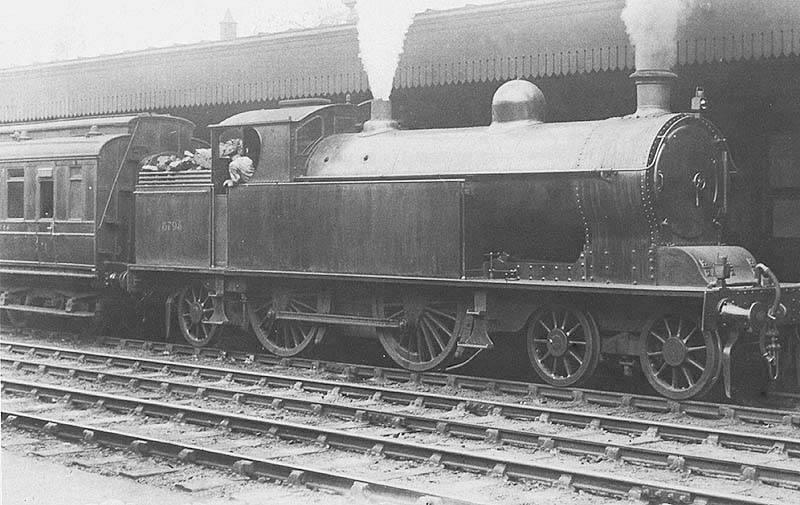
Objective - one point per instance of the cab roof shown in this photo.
(279, 115)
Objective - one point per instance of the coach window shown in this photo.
(15, 186)
(46, 194)
(76, 201)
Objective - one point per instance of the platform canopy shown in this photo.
(516, 38)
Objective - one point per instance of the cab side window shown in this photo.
(307, 136)
(15, 189)
(239, 151)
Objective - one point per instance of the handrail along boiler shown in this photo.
(594, 239)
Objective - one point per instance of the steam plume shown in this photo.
(652, 26)
(382, 28)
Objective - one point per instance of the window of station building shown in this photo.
(46, 193)
(307, 136)
(77, 202)
(15, 187)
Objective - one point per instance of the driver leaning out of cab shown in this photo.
(240, 168)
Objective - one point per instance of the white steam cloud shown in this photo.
(382, 28)
(652, 26)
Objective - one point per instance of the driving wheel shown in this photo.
(287, 337)
(429, 334)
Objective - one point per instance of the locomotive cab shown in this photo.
(185, 218)
(278, 141)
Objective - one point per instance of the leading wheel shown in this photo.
(195, 307)
(563, 345)
(430, 332)
(286, 337)
(680, 360)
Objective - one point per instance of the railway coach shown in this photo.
(595, 240)
(66, 219)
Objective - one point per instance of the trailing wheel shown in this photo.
(195, 307)
(429, 334)
(680, 360)
(287, 337)
(563, 345)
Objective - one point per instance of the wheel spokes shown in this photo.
(194, 308)
(429, 335)
(684, 364)
(285, 337)
(561, 345)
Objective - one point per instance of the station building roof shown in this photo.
(515, 38)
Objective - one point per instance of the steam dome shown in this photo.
(518, 100)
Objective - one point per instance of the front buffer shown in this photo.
(767, 312)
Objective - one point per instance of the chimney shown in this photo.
(352, 17)
(380, 117)
(227, 27)
(653, 92)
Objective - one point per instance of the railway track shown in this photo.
(476, 431)
(472, 462)
(362, 391)
(643, 403)
(253, 468)
(534, 392)
(489, 429)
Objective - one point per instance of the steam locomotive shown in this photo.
(596, 239)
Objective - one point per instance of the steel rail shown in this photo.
(557, 475)
(527, 438)
(611, 399)
(246, 465)
(567, 417)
